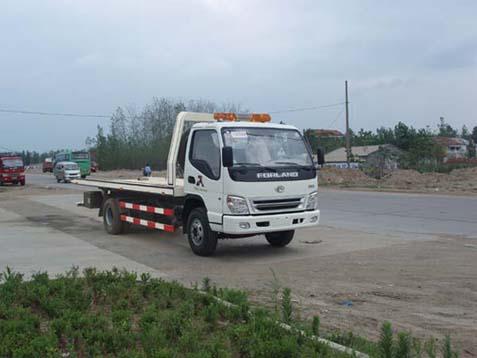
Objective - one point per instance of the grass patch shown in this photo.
(116, 313)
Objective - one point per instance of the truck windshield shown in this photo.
(12, 163)
(267, 147)
(80, 155)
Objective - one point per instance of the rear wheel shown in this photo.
(83, 177)
(202, 240)
(112, 217)
(280, 238)
(22, 183)
(58, 180)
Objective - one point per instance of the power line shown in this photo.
(54, 113)
(84, 115)
(308, 108)
(337, 117)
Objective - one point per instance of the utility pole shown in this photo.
(348, 142)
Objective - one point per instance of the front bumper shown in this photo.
(12, 178)
(269, 223)
(72, 176)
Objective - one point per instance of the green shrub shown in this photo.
(287, 306)
(386, 341)
(315, 325)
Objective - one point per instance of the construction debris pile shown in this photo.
(458, 181)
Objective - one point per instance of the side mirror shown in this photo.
(227, 157)
(320, 156)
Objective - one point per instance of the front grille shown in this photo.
(260, 205)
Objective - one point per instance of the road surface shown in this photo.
(371, 211)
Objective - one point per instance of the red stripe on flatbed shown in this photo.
(146, 208)
(147, 223)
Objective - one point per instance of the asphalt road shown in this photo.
(373, 212)
(48, 180)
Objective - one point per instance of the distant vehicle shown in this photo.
(66, 171)
(94, 167)
(48, 165)
(82, 158)
(12, 169)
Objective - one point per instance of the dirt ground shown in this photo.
(459, 181)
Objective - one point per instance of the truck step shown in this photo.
(148, 223)
(146, 208)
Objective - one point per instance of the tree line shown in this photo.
(139, 137)
(420, 150)
(34, 157)
(136, 138)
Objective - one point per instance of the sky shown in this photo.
(410, 61)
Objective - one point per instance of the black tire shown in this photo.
(111, 217)
(58, 180)
(280, 238)
(202, 240)
(83, 177)
(22, 183)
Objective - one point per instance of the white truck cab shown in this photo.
(228, 176)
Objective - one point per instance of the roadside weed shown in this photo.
(287, 306)
(386, 341)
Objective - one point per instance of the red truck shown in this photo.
(12, 169)
(47, 165)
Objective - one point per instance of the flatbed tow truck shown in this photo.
(228, 176)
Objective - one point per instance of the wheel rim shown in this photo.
(197, 232)
(109, 216)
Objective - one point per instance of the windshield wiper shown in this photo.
(308, 167)
(258, 165)
(247, 164)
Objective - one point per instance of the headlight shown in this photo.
(237, 204)
(312, 202)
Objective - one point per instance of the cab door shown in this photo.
(202, 174)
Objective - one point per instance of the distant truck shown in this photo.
(47, 165)
(12, 169)
(228, 176)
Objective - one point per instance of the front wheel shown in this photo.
(83, 177)
(202, 240)
(280, 238)
(22, 183)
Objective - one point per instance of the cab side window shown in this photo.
(204, 153)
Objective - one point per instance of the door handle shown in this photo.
(191, 179)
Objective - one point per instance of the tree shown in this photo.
(403, 136)
(445, 129)
(474, 134)
(465, 132)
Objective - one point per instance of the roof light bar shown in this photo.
(232, 117)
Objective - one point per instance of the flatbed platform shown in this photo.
(152, 185)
